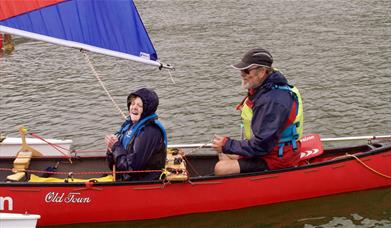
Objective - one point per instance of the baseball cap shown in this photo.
(255, 57)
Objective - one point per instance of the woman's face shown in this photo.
(135, 109)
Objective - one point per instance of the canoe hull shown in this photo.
(103, 202)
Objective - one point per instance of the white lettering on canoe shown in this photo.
(9, 201)
(54, 197)
(72, 197)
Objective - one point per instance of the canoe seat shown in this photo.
(311, 146)
(16, 176)
(175, 169)
(21, 163)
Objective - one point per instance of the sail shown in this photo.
(110, 27)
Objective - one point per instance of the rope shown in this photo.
(88, 151)
(101, 83)
(191, 166)
(373, 170)
(200, 147)
(172, 79)
(192, 151)
(56, 146)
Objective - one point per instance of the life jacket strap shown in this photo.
(240, 105)
(135, 129)
(160, 125)
(289, 135)
(291, 138)
(280, 149)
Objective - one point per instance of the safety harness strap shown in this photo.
(126, 138)
(290, 134)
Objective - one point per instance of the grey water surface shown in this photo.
(337, 52)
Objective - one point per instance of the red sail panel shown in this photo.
(11, 8)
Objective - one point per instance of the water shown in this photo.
(337, 52)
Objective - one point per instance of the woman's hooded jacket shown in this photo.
(146, 150)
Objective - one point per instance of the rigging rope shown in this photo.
(172, 79)
(192, 151)
(101, 83)
(373, 170)
(58, 147)
(55, 146)
(200, 147)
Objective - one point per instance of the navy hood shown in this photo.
(149, 98)
(275, 78)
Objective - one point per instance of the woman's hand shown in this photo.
(110, 140)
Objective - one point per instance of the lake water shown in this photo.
(337, 52)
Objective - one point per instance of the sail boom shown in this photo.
(80, 46)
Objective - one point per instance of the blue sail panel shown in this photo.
(107, 24)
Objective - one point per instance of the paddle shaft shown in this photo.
(340, 139)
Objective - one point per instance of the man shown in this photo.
(272, 117)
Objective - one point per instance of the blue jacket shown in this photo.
(147, 151)
(271, 111)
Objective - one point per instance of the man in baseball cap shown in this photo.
(272, 119)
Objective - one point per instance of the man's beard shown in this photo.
(246, 85)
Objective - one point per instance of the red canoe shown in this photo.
(336, 171)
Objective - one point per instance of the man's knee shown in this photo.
(227, 167)
(219, 168)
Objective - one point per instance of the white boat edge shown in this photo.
(14, 220)
(11, 145)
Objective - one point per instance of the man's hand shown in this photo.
(218, 143)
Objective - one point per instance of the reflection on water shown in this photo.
(337, 52)
(354, 220)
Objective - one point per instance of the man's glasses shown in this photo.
(247, 71)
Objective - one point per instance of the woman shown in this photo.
(141, 142)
